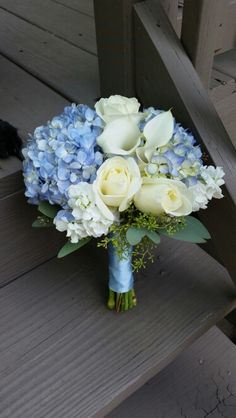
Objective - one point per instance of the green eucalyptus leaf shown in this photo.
(153, 236)
(42, 222)
(185, 234)
(69, 248)
(135, 235)
(197, 227)
(48, 210)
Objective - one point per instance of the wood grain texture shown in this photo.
(26, 103)
(201, 382)
(23, 247)
(56, 19)
(221, 86)
(67, 69)
(63, 354)
(114, 31)
(158, 51)
(226, 109)
(201, 20)
(84, 6)
(226, 38)
(226, 63)
(171, 9)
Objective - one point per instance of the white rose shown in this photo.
(118, 179)
(158, 196)
(120, 137)
(116, 106)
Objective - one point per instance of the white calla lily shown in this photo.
(120, 137)
(159, 130)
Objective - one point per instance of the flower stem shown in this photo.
(121, 302)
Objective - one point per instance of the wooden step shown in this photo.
(65, 23)
(68, 69)
(26, 103)
(226, 63)
(63, 354)
(200, 383)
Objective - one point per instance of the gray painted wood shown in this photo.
(226, 38)
(26, 103)
(226, 109)
(63, 354)
(23, 247)
(84, 6)
(226, 63)
(159, 52)
(65, 23)
(221, 86)
(201, 382)
(171, 8)
(64, 67)
(201, 20)
(114, 31)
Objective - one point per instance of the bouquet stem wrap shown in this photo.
(121, 280)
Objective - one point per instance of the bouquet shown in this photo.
(124, 176)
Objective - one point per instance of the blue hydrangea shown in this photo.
(62, 153)
(180, 159)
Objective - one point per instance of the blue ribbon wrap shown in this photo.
(121, 278)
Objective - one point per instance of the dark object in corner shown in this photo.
(10, 142)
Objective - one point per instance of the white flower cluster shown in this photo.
(208, 187)
(86, 219)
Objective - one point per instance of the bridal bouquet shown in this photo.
(124, 176)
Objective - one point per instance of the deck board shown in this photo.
(200, 383)
(67, 24)
(84, 6)
(226, 63)
(69, 70)
(26, 103)
(62, 353)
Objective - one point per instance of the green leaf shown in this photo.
(48, 210)
(42, 222)
(197, 227)
(135, 235)
(153, 236)
(70, 248)
(185, 234)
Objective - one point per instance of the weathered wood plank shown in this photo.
(65, 354)
(166, 78)
(226, 63)
(61, 21)
(69, 70)
(221, 86)
(84, 6)
(201, 20)
(226, 38)
(114, 30)
(23, 247)
(25, 103)
(226, 109)
(171, 9)
(201, 382)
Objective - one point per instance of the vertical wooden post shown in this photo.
(201, 20)
(171, 9)
(114, 27)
